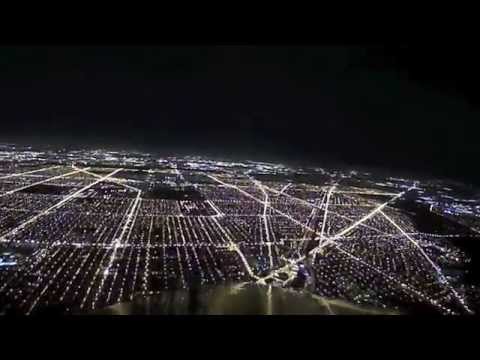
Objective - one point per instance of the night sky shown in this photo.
(397, 107)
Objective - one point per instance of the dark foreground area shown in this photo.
(239, 299)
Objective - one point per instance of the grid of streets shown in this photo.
(90, 236)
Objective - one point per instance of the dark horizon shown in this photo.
(395, 107)
(328, 163)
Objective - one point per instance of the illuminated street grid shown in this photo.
(94, 236)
